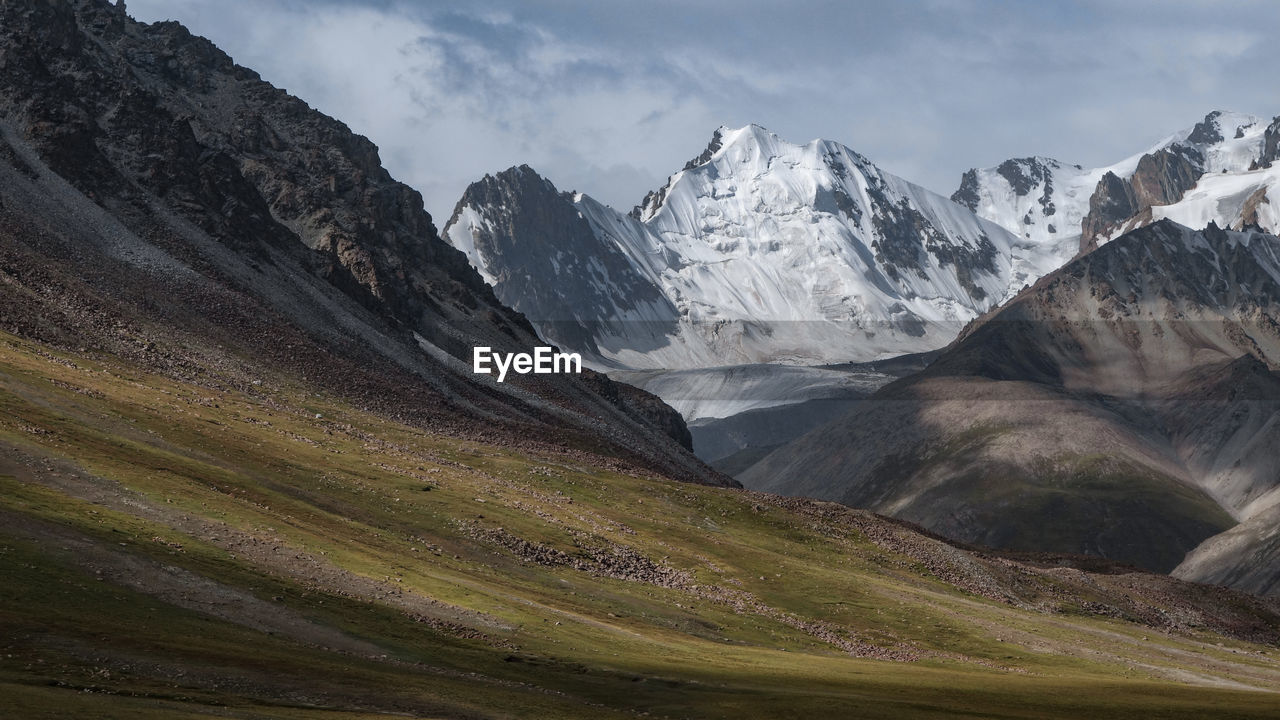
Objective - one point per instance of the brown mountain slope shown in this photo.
(1124, 407)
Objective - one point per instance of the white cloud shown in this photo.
(609, 98)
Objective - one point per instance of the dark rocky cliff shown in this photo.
(1271, 144)
(1162, 177)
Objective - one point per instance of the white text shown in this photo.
(543, 361)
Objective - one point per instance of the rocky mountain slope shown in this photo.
(759, 250)
(1219, 170)
(1124, 406)
(159, 202)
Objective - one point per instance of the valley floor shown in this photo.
(187, 550)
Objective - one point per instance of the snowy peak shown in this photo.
(654, 198)
(1067, 209)
(533, 245)
(747, 152)
(1209, 173)
(1226, 140)
(749, 144)
(1040, 200)
(760, 250)
(1023, 196)
(759, 197)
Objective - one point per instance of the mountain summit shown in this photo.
(758, 250)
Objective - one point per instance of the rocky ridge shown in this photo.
(1120, 407)
(160, 202)
(1212, 171)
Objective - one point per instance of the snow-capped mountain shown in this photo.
(759, 250)
(1234, 197)
(1219, 170)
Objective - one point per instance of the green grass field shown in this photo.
(179, 550)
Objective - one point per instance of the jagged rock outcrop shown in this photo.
(1163, 177)
(967, 194)
(1271, 144)
(1160, 178)
(1112, 203)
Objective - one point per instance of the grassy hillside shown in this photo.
(182, 550)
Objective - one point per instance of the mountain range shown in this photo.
(759, 250)
(1221, 170)
(762, 251)
(1119, 405)
(246, 470)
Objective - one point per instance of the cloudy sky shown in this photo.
(610, 97)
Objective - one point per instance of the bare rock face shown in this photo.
(1161, 178)
(1112, 203)
(647, 405)
(152, 189)
(906, 240)
(165, 110)
(1249, 212)
(1271, 144)
(116, 107)
(1207, 131)
(967, 193)
(1024, 174)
